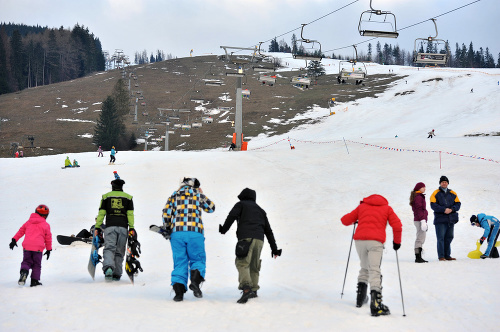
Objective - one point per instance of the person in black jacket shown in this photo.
(117, 208)
(252, 226)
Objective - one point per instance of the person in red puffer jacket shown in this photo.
(37, 238)
(372, 216)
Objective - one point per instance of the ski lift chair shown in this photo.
(431, 58)
(207, 119)
(265, 63)
(392, 33)
(359, 74)
(299, 80)
(210, 79)
(312, 53)
(267, 79)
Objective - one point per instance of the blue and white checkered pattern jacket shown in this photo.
(182, 212)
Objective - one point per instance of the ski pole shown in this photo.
(400, 287)
(348, 257)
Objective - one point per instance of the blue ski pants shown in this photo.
(492, 238)
(188, 252)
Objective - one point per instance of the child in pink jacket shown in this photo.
(38, 237)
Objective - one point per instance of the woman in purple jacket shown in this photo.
(417, 202)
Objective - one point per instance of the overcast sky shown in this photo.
(177, 26)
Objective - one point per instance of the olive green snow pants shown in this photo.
(249, 267)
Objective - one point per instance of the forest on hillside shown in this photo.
(31, 56)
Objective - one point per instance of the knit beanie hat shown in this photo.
(473, 219)
(419, 186)
(443, 178)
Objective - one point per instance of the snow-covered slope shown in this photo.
(305, 191)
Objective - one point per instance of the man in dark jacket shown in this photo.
(252, 226)
(445, 204)
(118, 208)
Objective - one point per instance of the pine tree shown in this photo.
(4, 82)
(470, 56)
(489, 62)
(379, 53)
(121, 97)
(315, 69)
(109, 129)
(294, 44)
(369, 57)
(17, 60)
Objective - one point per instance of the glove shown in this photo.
(481, 240)
(135, 248)
(423, 225)
(276, 252)
(395, 245)
(47, 253)
(12, 244)
(98, 233)
(132, 234)
(166, 231)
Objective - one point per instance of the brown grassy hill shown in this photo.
(62, 116)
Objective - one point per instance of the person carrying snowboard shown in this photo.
(118, 208)
(417, 202)
(252, 226)
(37, 238)
(491, 227)
(182, 215)
(372, 216)
(112, 158)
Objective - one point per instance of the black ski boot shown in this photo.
(196, 280)
(361, 297)
(23, 277)
(247, 294)
(179, 290)
(418, 256)
(35, 283)
(376, 306)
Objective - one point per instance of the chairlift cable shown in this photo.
(317, 19)
(409, 26)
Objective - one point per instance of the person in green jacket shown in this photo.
(67, 162)
(118, 208)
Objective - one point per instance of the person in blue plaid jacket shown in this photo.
(182, 215)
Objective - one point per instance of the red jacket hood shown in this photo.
(376, 200)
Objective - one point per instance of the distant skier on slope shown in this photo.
(99, 151)
(431, 133)
(112, 158)
(37, 237)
